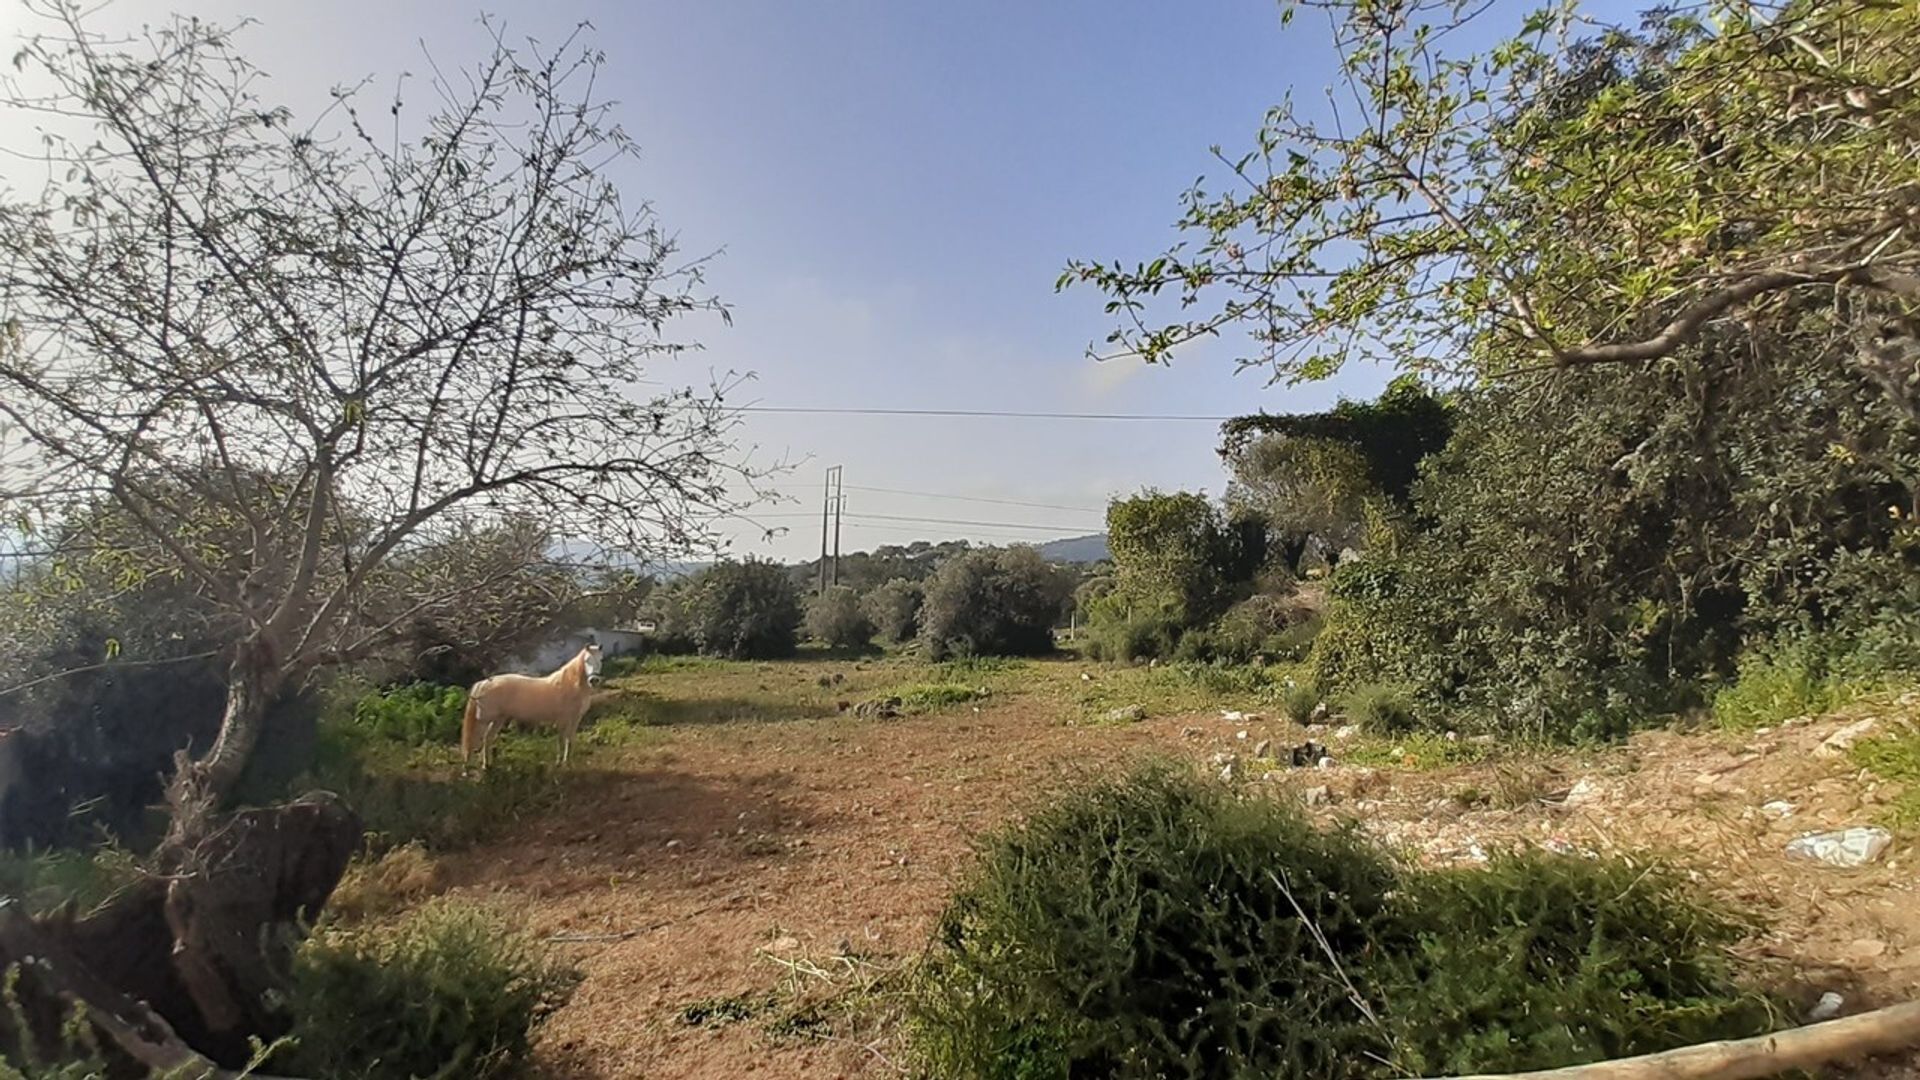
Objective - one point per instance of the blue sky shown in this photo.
(893, 187)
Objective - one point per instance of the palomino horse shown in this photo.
(558, 700)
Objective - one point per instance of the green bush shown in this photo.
(932, 697)
(449, 992)
(1118, 635)
(1142, 928)
(993, 602)
(894, 610)
(1380, 709)
(1160, 925)
(744, 610)
(419, 714)
(1540, 961)
(1298, 701)
(1896, 759)
(835, 618)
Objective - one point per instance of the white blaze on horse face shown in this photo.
(593, 664)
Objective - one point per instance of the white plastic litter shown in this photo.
(1857, 846)
(1827, 1008)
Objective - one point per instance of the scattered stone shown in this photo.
(1826, 1008)
(1865, 949)
(1127, 714)
(1263, 748)
(1084, 677)
(1842, 741)
(1324, 763)
(1220, 759)
(1857, 846)
(1584, 792)
(1345, 732)
(1315, 729)
(1306, 754)
(1319, 714)
(1230, 770)
(1453, 736)
(1190, 732)
(881, 709)
(1234, 716)
(1317, 796)
(1777, 809)
(1559, 845)
(671, 844)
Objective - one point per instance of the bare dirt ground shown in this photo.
(735, 890)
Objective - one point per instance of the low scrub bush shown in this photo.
(44, 880)
(1796, 679)
(1380, 709)
(1896, 759)
(451, 991)
(1161, 925)
(418, 714)
(1298, 701)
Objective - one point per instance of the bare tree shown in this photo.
(287, 354)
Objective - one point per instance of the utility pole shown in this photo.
(829, 520)
(839, 505)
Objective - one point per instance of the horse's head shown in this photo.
(592, 662)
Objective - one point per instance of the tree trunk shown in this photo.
(200, 785)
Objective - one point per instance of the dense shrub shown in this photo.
(744, 610)
(836, 618)
(1298, 702)
(894, 610)
(1601, 546)
(1380, 709)
(1162, 926)
(449, 992)
(994, 602)
(1143, 926)
(1114, 633)
(418, 714)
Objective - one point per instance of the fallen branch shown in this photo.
(1882, 1031)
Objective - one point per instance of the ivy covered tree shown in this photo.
(1576, 195)
(289, 352)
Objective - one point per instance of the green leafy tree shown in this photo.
(744, 610)
(1561, 199)
(994, 602)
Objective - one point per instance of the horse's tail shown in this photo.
(470, 724)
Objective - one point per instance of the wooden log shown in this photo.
(1883, 1031)
(127, 1025)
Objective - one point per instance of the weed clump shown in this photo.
(1380, 709)
(450, 992)
(1161, 925)
(418, 714)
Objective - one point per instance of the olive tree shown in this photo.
(289, 351)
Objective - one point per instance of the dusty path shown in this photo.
(733, 890)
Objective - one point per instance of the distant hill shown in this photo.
(1076, 549)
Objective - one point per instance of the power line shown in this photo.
(978, 499)
(975, 413)
(934, 521)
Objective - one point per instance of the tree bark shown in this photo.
(200, 785)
